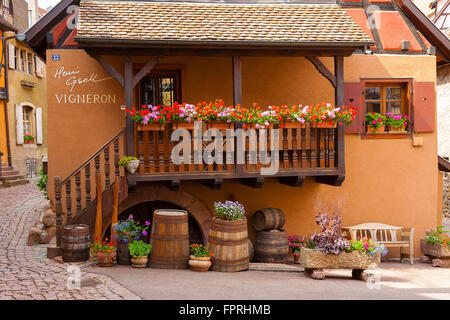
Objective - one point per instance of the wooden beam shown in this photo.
(256, 183)
(293, 181)
(174, 185)
(237, 80)
(339, 74)
(215, 184)
(145, 70)
(323, 70)
(108, 68)
(128, 87)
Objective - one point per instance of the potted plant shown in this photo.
(200, 259)
(104, 252)
(28, 138)
(396, 122)
(130, 163)
(375, 122)
(127, 231)
(295, 244)
(437, 245)
(139, 251)
(228, 238)
(151, 118)
(329, 250)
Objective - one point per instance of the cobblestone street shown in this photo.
(25, 273)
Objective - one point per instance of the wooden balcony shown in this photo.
(304, 151)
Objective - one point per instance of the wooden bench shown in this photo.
(390, 236)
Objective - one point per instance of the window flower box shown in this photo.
(325, 124)
(374, 130)
(151, 127)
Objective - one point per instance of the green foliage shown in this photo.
(198, 250)
(375, 120)
(42, 182)
(438, 236)
(126, 160)
(139, 248)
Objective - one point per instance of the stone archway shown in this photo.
(156, 192)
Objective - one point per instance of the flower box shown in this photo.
(327, 124)
(373, 130)
(151, 127)
(435, 249)
(219, 125)
(183, 125)
(397, 130)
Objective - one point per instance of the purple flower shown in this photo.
(144, 233)
(147, 223)
(130, 217)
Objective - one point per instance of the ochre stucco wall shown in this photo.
(387, 180)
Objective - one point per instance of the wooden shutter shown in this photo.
(39, 137)
(353, 97)
(39, 67)
(19, 124)
(11, 56)
(424, 106)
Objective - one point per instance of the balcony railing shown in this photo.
(303, 150)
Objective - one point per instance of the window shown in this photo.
(23, 60)
(16, 58)
(27, 116)
(161, 87)
(30, 63)
(387, 97)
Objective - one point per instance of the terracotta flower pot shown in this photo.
(397, 130)
(373, 130)
(132, 166)
(200, 264)
(139, 262)
(106, 258)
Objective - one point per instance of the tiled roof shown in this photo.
(292, 24)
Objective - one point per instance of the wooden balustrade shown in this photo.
(83, 186)
(303, 150)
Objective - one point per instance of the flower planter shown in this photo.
(228, 240)
(151, 127)
(253, 126)
(326, 124)
(293, 125)
(29, 142)
(297, 259)
(105, 258)
(183, 125)
(434, 249)
(219, 125)
(314, 261)
(132, 166)
(397, 130)
(139, 262)
(199, 264)
(373, 130)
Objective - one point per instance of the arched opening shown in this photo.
(142, 212)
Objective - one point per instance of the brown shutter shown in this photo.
(424, 106)
(353, 97)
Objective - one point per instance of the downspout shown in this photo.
(5, 105)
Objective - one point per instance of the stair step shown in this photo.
(8, 173)
(14, 176)
(12, 183)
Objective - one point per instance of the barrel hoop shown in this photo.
(280, 245)
(160, 259)
(170, 221)
(174, 237)
(230, 262)
(218, 241)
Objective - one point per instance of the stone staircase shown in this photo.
(10, 177)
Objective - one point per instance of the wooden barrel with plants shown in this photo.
(123, 253)
(169, 240)
(271, 246)
(75, 243)
(228, 240)
(268, 219)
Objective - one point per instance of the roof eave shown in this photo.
(95, 41)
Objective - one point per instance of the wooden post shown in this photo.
(98, 217)
(128, 87)
(237, 80)
(115, 215)
(58, 210)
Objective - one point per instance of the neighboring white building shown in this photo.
(34, 12)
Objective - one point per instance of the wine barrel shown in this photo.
(75, 243)
(268, 219)
(271, 246)
(169, 240)
(228, 240)
(123, 254)
(251, 250)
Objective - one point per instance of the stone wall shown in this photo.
(446, 195)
